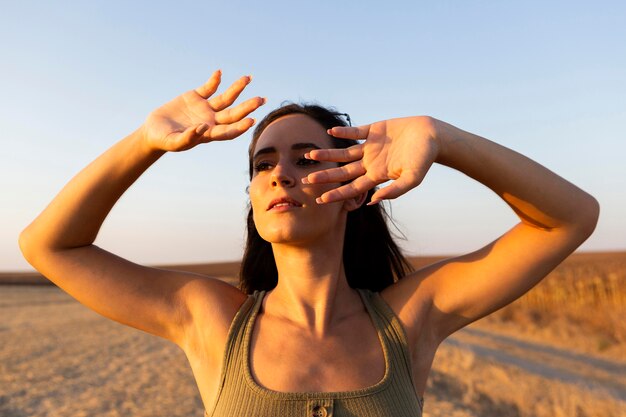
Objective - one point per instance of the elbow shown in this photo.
(28, 247)
(593, 214)
(589, 213)
(25, 247)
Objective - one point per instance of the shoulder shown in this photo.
(212, 305)
(411, 302)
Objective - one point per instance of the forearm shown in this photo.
(537, 195)
(75, 215)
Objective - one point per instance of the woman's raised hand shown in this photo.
(198, 117)
(401, 150)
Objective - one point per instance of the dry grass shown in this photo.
(580, 306)
(581, 303)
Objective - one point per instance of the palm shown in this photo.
(195, 117)
(388, 151)
(401, 150)
(167, 122)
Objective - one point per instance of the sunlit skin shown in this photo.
(279, 174)
(312, 296)
(402, 150)
(307, 241)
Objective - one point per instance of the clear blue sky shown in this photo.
(547, 79)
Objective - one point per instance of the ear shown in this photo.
(355, 202)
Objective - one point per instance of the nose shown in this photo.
(282, 177)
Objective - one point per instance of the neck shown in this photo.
(312, 291)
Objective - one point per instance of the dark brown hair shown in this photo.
(371, 257)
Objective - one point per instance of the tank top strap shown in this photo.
(234, 342)
(397, 340)
(238, 393)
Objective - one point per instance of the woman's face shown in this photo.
(284, 208)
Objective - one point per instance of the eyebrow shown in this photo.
(295, 146)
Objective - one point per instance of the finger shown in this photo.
(340, 174)
(240, 111)
(356, 187)
(210, 87)
(230, 131)
(229, 96)
(345, 132)
(398, 187)
(336, 155)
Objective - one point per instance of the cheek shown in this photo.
(257, 210)
(254, 193)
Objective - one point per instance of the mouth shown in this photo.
(282, 203)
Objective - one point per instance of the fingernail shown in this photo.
(307, 155)
(249, 78)
(318, 200)
(263, 100)
(371, 203)
(305, 180)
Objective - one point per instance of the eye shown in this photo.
(262, 166)
(307, 162)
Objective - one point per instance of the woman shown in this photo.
(312, 344)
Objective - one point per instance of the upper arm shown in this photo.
(448, 295)
(161, 302)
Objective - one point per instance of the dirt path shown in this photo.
(545, 361)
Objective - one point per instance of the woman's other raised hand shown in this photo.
(401, 150)
(198, 116)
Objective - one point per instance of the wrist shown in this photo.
(444, 137)
(141, 138)
(431, 128)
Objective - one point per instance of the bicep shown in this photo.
(149, 299)
(466, 288)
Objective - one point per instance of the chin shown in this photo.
(283, 238)
(288, 235)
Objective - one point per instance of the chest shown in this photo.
(287, 360)
(283, 359)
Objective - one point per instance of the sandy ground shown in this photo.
(59, 359)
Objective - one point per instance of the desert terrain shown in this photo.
(558, 351)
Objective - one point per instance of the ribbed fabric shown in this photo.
(394, 396)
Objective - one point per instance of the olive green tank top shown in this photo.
(239, 395)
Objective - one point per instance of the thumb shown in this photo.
(396, 188)
(187, 139)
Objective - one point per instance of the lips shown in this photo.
(284, 202)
